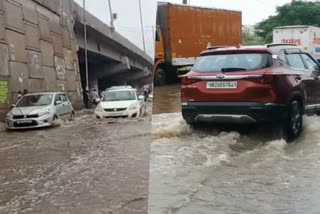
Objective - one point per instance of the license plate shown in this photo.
(24, 122)
(222, 85)
(116, 114)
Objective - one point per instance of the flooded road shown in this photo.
(217, 171)
(167, 99)
(85, 166)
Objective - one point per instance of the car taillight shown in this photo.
(186, 81)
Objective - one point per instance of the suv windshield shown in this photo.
(119, 96)
(231, 62)
(35, 100)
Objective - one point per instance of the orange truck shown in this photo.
(184, 31)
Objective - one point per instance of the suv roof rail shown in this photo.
(279, 44)
(216, 47)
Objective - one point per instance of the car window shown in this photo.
(57, 98)
(310, 63)
(63, 98)
(282, 57)
(119, 95)
(35, 100)
(295, 61)
(232, 62)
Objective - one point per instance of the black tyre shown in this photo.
(161, 77)
(72, 116)
(293, 126)
(189, 120)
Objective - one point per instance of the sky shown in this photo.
(128, 23)
(253, 11)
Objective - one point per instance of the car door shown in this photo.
(58, 106)
(66, 110)
(314, 69)
(301, 73)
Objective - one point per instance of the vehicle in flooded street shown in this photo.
(39, 110)
(253, 85)
(121, 101)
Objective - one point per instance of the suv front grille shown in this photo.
(114, 109)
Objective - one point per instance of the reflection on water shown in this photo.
(167, 99)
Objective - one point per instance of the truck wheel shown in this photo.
(294, 122)
(161, 77)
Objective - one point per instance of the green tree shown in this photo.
(248, 39)
(295, 13)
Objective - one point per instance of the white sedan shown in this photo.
(121, 102)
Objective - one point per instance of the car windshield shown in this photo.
(119, 95)
(231, 62)
(35, 100)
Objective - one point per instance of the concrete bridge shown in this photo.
(42, 49)
(112, 58)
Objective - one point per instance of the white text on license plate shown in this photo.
(222, 85)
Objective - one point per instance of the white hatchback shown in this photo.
(39, 110)
(121, 101)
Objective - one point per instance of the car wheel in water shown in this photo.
(161, 77)
(55, 121)
(72, 116)
(294, 122)
(189, 120)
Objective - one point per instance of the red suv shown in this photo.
(253, 84)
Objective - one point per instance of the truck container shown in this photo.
(306, 37)
(183, 31)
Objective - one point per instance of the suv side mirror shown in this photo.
(316, 72)
(59, 102)
(12, 106)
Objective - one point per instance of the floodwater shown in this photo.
(80, 167)
(167, 99)
(216, 171)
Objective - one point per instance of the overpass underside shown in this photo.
(104, 72)
(112, 59)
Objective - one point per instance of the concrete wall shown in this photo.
(38, 50)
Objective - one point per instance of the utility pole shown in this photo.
(153, 28)
(112, 16)
(85, 45)
(142, 28)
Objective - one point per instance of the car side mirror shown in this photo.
(12, 106)
(316, 72)
(58, 103)
(141, 97)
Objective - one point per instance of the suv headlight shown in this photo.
(9, 114)
(133, 107)
(42, 113)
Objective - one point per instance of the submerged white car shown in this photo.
(39, 110)
(120, 101)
